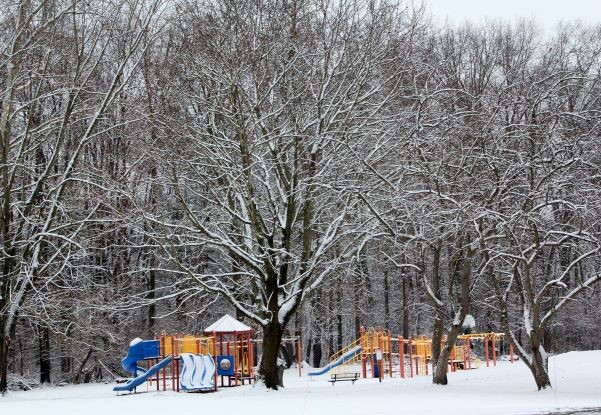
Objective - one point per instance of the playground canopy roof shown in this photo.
(227, 324)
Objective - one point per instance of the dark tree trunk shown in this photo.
(287, 350)
(21, 358)
(66, 364)
(78, 376)
(541, 376)
(317, 354)
(437, 332)
(272, 338)
(357, 293)
(66, 356)
(439, 376)
(539, 363)
(539, 368)
(386, 301)
(309, 347)
(437, 337)
(151, 297)
(536, 362)
(339, 316)
(44, 345)
(405, 306)
(3, 359)
(463, 271)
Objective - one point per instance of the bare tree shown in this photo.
(51, 112)
(262, 165)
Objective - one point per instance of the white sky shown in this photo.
(546, 12)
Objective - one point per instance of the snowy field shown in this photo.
(506, 389)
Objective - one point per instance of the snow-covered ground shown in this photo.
(505, 389)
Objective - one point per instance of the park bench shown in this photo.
(343, 377)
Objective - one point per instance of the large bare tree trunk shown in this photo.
(7, 108)
(44, 346)
(463, 271)
(272, 338)
(439, 376)
(535, 358)
(437, 333)
(539, 369)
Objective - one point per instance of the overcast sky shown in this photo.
(546, 12)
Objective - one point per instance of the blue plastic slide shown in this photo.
(137, 381)
(139, 350)
(342, 359)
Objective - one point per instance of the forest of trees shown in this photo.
(309, 166)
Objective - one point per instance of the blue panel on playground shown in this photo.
(227, 367)
(376, 368)
(145, 349)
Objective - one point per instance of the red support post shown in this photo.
(494, 349)
(215, 357)
(363, 343)
(165, 368)
(251, 358)
(402, 356)
(486, 348)
(177, 375)
(371, 354)
(389, 355)
(158, 376)
(148, 365)
(236, 359)
(172, 362)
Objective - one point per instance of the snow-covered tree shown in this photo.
(51, 110)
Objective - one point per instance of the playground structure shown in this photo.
(235, 351)
(184, 363)
(393, 356)
(192, 363)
